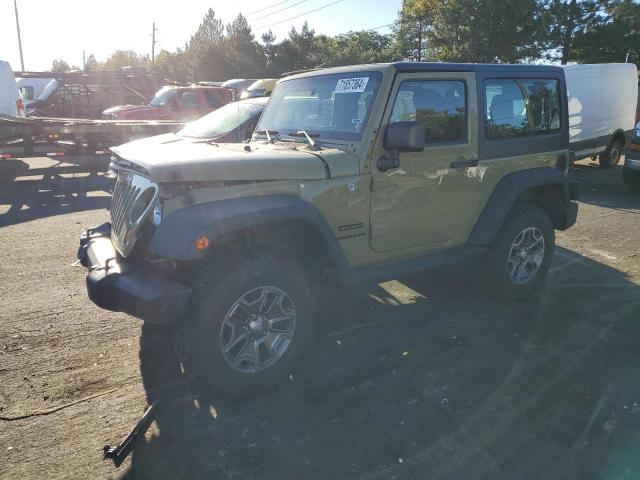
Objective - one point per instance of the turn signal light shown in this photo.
(201, 243)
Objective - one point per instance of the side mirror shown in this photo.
(405, 137)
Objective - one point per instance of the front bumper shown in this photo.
(120, 285)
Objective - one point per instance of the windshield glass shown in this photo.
(162, 96)
(222, 120)
(331, 106)
(51, 87)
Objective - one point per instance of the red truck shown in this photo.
(174, 103)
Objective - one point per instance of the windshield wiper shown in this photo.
(268, 134)
(303, 133)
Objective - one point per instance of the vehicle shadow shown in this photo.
(430, 374)
(603, 187)
(43, 188)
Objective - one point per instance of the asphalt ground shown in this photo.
(423, 377)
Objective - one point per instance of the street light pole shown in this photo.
(15, 5)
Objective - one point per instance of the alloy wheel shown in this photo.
(526, 255)
(258, 328)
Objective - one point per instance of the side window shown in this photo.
(214, 98)
(440, 104)
(189, 99)
(506, 115)
(27, 93)
(522, 107)
(544, 104)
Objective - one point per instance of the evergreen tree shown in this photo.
(470, 30)
(91, 63)
(616, 38)
(244, 54)
(567, 21)
(60, 66)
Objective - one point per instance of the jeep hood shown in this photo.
(172, 158)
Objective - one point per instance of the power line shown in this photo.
(278, 11)
(267, 7)
(381, 26)
(298, 16)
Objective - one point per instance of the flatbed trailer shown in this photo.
(58, 137)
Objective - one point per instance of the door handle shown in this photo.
(462, 163)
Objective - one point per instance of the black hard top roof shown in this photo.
(473, 67)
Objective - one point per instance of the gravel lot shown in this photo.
(418, 378)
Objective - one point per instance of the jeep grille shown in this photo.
(133, 195)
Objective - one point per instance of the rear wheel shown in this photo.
(611, 157)
(251, 319)
(522, 251)
(631, 179)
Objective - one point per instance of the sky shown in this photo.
(54, 29)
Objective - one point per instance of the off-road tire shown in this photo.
(219, 283)
(611, 157)
(631, 179)
(496, 275)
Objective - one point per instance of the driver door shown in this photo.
(427, 202)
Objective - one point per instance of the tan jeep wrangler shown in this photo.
(353, 173)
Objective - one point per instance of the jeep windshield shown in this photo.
(335, 106)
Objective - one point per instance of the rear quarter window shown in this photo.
(522, 107)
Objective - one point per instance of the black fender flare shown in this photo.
(174, 237)
(512, 186)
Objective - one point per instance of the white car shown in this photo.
(10, 100)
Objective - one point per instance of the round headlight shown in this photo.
(141, 204)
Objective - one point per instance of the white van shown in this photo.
(10, 101)
(602, 109)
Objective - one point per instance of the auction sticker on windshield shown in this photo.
(352, 85)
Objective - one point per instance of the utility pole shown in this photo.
(15, 6)
(153, 43)
(84, 61)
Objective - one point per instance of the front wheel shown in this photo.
(251, 318)
(522, 251)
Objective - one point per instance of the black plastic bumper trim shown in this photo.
(115, 284)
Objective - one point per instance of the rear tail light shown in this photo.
(20, 107)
